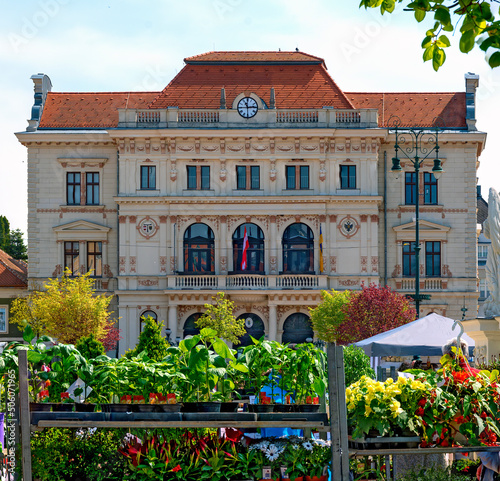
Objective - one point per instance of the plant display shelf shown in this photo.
(337, 426)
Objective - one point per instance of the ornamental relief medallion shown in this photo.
(348, 227)
(147, 227)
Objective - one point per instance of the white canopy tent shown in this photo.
(423, 337)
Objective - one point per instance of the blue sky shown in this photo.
(139, 45)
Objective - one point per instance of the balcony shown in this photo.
(426, 284)
(248, 281)
(174, 118)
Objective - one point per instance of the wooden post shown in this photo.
(338, 413)
(24, 414)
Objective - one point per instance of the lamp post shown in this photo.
(415, 144)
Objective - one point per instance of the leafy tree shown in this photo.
(67, 309)
(374, 310)
(220, 318)
(17, 248)
(4, 233)
(151, 340)
(90, 347)
(329, 314)
(356, 364)
(474, 19)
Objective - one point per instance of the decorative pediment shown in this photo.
(81, 230)
(427, 231)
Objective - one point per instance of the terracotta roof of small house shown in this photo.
(90, 110)
(13, 273)
(414, 108)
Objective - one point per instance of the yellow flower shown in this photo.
(348, 392)
(368, 410)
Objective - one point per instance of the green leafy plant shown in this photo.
(356, 364)
(151, 341)
(219, 317)
(90, 347)
(329, 314)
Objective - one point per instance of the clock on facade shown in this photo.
(247, 107)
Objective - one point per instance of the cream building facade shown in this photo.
(154, 191)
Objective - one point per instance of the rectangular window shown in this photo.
(409, 259)
(73, 188)
(430, 188)
(410, 188)
(248, 177)
(347, 176)
(297, 177)
(198, 177)
(72, 257)
(483, 289)
(433, 259)
(92, 186)
(4, 314)
(482, 254)
(94, 258)
(148, 177)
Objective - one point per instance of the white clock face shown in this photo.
(247, 107)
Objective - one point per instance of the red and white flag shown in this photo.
(244, 254)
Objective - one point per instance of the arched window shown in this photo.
(298, 249)
(146, 314)
(190, 328)
(198, 249)
(254, 327)
(255, 250)
(297, 328)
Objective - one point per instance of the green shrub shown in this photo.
(151, 341)
(86, 454)
(356, 364)
(433, 474)
(90, 347)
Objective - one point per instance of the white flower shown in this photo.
(307, 446)
(272, 452)
(295, 446)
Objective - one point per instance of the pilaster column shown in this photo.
(273, 323)
(132, 244)
(163, 245)
(223, 242)
(172, 321)
(273, 247)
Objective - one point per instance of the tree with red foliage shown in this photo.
(111, 338)
(374, 310)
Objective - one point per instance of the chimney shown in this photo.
(222, 98)
(471, 84)
(42, 86)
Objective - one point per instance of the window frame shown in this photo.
(431, 190)
(300, 172)
(411, 188)
(431, 269)
(411, 260)
(149, 184)
(4, 309)
(188, 250)
(347, 178)
(77, 186)
(94, 253)
(247, 177)
(255, 251)
(296, 253)
(92, 187)
(71, 252)
(200, 176)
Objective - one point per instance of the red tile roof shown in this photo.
(414, 109)
(13, 273)
(254, 57)
(90, 110)
(296, 86)
(300, 81)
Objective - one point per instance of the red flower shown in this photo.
(419, 412)
(47, 383)
(177, 468)
(43, 394)
(65, 395)
(422, 402)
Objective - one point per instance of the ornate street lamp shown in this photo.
(415, 144)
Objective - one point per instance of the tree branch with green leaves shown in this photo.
(476, 21)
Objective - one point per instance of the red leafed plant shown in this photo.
(111, 337)
(373, 310)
